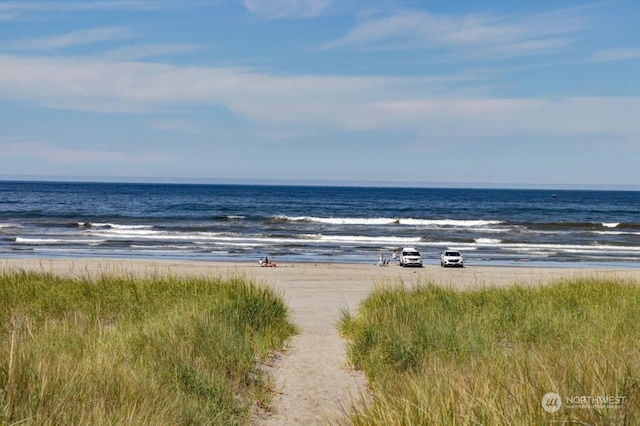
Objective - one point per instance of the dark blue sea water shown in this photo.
(317, 224)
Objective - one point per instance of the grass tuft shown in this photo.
(131, 350)
(439, 356)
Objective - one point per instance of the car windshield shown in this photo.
(411, 253)
(452, 253)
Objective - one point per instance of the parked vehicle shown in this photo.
(451, 258)
(409, 256)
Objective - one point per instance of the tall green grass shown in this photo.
(126, 350)
(439, 356)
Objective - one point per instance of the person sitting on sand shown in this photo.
(266, 263)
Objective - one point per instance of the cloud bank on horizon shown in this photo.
(390, 91)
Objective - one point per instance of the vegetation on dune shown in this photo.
(440, 356)
(126, 350)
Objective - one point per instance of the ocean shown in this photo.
(318, 224)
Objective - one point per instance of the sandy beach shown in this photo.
(314, 383)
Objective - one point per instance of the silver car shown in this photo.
(451, 258)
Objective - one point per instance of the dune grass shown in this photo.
(440, 356)
(124, 350)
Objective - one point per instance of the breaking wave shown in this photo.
(389, 221)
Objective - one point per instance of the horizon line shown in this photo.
(315, 182)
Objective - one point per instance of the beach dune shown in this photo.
(313, 381)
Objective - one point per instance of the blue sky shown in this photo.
(442, 91)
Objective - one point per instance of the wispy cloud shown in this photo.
(19, 9)
(300, 104)
(72, 39)
(144, 51)
(611, 55)
(7, 16)
(56, 154)
(479, 35)
(175, 125)
(274, 9)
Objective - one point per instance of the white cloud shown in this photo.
(19, 8)
(174, 125)
(5, 16)
(59, 155)
(476, 34)
(144, 51)
(273, 9)
(303, 104)
(611, 55)
(75, 38)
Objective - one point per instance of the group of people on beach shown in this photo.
(265, 262)
(385, 262)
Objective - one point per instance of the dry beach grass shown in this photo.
(314, 383)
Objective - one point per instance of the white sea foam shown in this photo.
(144, 232)
(458, 223)
(161, 249)
(115, 225)
(342, 220)
(309, 236)
(494, 230)
(390, 221)
(353, 239)
(150, 235)
(9, 225)
(537, 249)
(572, 248)
(22, 240)
(448, 244)
(611, 224)
(38, 241)
(615, 233)
(488, 241)
(162, 246)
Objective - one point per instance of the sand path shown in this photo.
(313, 381)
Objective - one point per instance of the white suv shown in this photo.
(410, 257)
(451, 258)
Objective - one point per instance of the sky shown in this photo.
(490, 92)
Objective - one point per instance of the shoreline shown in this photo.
(541, 264)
